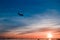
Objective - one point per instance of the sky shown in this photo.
(39, 15)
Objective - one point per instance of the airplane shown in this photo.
(20, 14)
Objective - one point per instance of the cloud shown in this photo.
(47, 20)
(7, 24)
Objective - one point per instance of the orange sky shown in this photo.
(30, 35)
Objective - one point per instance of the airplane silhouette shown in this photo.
(20, 14)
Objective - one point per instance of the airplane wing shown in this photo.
(20, 14)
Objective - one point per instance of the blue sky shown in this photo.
(29, 7)
(35, 11)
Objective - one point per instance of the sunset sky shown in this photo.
(39, 16)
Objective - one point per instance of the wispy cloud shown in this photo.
(39, 22)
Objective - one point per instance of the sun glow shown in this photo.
(49, 35)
